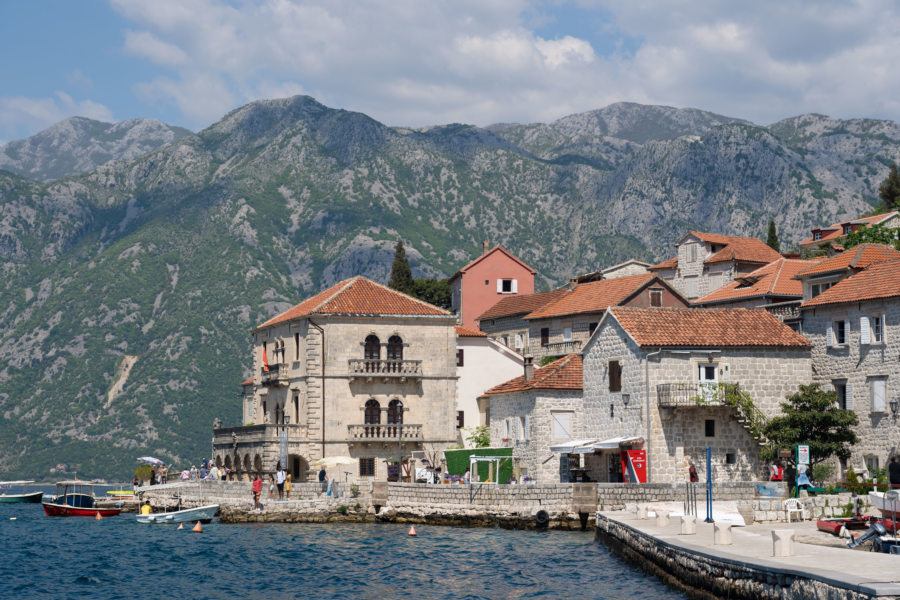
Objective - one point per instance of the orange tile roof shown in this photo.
(738, 249)
(706, 327)
(880, 280)
(562, 374)
(466, 332)
(859, 257)
(666, 264)
(773, 279)
(521, 304)
(497, 248)
(595, 296)
(358, 296)
(836, 230)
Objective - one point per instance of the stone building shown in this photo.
(822, 238)
(505, 321)
(707, 261)
(358, 371)
(854, 326)
(653, 375)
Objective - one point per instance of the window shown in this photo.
(296, 346)
(527, 428)
(871, 330)
(592, 327)
(395, 348)
(692, 252)
(460, 419)
(730, 458)
(847, 229)
(567, 333)
(507, 286)
(840, 388)
(878, 389)
(367, 467)
(520, 429)
(372, 348)
(817, 235)
(872, 462)
(372, 414)
(836, 334)
(690, 287)
(615, 376)
(545, 336)
(710, 428)
(877, 329)
(562, 425)
(655, 297)
(520, 341)
(460, 358)
(818, 288)
(395, 412)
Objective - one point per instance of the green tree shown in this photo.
(811, 416)
(876, 234)
(433, 291)
(889, 191)
(772, 240)
(401, 274)
(479, 436)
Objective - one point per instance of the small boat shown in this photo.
(24, 496)
(204, 514)
(834, 525)
(75, 499)
(887, 502)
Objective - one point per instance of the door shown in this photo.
(708, 382)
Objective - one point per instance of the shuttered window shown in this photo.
(562, 426)
(878, 388)
(864, 331)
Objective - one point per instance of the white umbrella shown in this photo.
(333, 461)
(150, 460)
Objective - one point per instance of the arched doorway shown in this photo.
(372, 416)
(299, 468)
(395, 416)
(372, 353)
(394, 353)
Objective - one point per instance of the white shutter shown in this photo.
(515, 287)
(499, 286)
(847, 331)
(829, 336)
(878, 386)
(848, 394)
(527, 426)
(884, 328)
(864, 331)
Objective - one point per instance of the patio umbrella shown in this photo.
(150, 460)
(333, 461)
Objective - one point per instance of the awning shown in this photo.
(614, 443)
(575, 447)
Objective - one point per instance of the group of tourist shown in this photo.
(279, 484)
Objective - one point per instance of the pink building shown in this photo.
(494, 275)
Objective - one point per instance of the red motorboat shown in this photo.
(75, 499)
(834, 525)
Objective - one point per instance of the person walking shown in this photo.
(894, 472)
(322, 479)
(279, 480)
(271, 487)
(257, 490)
(802, 478)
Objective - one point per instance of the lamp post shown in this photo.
(895, 405)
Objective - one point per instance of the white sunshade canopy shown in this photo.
(614, 443)
(575, 446)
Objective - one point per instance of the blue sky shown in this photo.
(421, 62)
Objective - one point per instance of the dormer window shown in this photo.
(817, 235)
(847, 229)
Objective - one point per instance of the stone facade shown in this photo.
(855, 370)
(316, 389)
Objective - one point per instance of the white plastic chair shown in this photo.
(793, 506)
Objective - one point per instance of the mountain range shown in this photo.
(138, 256)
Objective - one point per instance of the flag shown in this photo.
(265, 360)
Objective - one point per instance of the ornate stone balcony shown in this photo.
(277, 375)
(385, 433)
(385, 369)
(559, 348)
(226, 436)
(685, 395)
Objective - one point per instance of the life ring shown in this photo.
(541, 518)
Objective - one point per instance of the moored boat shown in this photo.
(203, 514)
(886, 502)
(75, 499)
(834, 525)
(24, 496)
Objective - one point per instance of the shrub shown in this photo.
(342, 509)
(356, 506)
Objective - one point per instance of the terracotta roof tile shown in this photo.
(497, 248)
(773, 279)
(859, 257)
(521, 304)
(466, 332)
(880, 280)
(562, 374)
(666, 264)
(358, 296)
(705, 327)
(739, 249)
(595, 296)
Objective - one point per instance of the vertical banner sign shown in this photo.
(802, 454)
(634, 466)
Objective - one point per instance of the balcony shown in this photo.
(385, 433)
(683, 395)
(560, 348)
(250, 434)
(385, 369)
(277, 375)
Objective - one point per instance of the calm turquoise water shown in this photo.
(72, 557)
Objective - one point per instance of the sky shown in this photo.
(427, 62)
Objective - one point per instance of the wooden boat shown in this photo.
(24, 496)
(834, 525)
(75, 499)
(204, 514)
(886, 502)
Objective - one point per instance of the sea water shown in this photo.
(78, 557)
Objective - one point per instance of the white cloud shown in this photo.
(146, 44)
(21, 116)
(79, 80)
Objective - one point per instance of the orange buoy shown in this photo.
(197, 528)
(181, 525)
(98, 516)
(412, 530)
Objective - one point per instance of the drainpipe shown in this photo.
(322, 336)
(647, 402)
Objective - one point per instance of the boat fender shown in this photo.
(412, 530)
(181, 526)
(197, 528)
(542, 518)
(98, 516)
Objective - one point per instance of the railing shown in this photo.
(384, 433)
(258, 433)
(561, 347)
(276, 373)
(669, 395)
(785, 310)
(385, 368)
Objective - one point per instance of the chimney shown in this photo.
(484, 247)
(529, 368)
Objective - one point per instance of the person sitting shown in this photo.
(145, 509)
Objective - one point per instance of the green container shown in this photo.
(458, 462)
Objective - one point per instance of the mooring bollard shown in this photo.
(688, 525)
(721, 534)
(782, 542)
(642, 511)
(662, 518)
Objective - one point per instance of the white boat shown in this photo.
(24, 496)
(204, 514)
(887, 502)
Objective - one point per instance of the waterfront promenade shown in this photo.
(747, 568)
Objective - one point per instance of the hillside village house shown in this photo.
(707, 261)
(358, 370)
(481, 362)
(855, 329)
(824, 237)
(649, 382)
(506, 322)
(494, 275)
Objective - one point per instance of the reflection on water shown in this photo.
(116, 557)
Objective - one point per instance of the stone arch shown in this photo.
(218, 460)
(257, 463)
(298, 467)
(227, 461)
(248, 466)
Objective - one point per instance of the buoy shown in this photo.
(197, 528)
(412, 530)
(12, 518)
(98, 516)
(181, 525)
